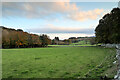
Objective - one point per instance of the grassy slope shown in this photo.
(80, 43)
(53, 62)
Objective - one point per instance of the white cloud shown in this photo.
(85, 15)
(49, 10)
(63, 36)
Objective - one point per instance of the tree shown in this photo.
(45, 40)
(56, 40)
(108, 29)
(19, 30)
(5, 38)
(30, 42)
(12, 38)
(92, 41)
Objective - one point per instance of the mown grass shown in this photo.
(55, 62)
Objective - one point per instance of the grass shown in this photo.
(80, 43)
(70, 45)
(54, 62)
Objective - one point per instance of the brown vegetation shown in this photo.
(12, 38)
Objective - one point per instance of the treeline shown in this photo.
(57, 41)
(108, 29)
(12, 38)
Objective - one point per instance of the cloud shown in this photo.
(63, 36)
(37, 9)
(60, 29)
(85, 15)
(48, 10)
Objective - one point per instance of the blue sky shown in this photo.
(55, 18)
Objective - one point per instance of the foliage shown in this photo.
(92, 41)
(45, 40)
(108, 29)
(12, 38)
(56, 41)
(56, 38)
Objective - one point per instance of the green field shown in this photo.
(57, 62)
(80, 43)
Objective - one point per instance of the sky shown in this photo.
(60, 19)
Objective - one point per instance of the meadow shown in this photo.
(58, 62)
(80, 43)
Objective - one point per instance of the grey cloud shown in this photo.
(64, 30)
(48, 10)
(32, 9)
